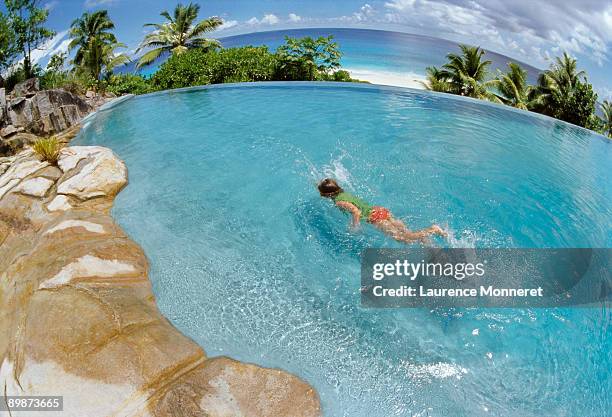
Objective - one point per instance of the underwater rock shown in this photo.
(78, 317)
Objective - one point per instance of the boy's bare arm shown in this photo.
(351, 208)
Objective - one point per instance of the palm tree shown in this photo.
(436, 80)
(91, 34)
(179, 33)
(606, 109)
(556, 84)
(513, 88)
(467, 73)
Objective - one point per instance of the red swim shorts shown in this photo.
(378, 214)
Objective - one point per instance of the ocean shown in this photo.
(381, 57)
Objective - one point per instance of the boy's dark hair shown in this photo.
(329, 188)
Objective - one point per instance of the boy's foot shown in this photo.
(437, 230)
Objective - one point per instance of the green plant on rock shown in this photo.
(47, 149)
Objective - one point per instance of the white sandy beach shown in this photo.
(397, 79)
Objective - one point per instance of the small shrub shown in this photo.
(128, 84)
(342, 75)
(47, 149)
(200, 67)
(17, 75)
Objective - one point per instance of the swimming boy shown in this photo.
(378, 216)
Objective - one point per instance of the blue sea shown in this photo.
(380, 55)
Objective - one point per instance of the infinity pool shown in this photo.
(250, 262)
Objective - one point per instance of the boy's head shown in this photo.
(329, 188)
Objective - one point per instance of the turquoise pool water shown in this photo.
(248, 261)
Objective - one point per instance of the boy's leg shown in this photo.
(400, 232)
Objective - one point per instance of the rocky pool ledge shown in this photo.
(78, 317)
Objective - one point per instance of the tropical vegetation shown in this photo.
(96, 46)
(606, 109)
(308, 58)
(47, 149)
(26, 21)
(562, 91)
(179, 34)
(512, 88)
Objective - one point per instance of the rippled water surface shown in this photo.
(251, 263)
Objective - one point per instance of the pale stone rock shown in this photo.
(78, 316)
(48, 378)
(16, 172)
(88, 266)
(35, 187)
(59, 203)
(102, 174)
(69, 224)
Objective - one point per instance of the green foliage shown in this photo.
(342, 76)
(128, 84)
(606, 121)
(7, 42)
(57, 62)
(563, 92)
(199, 67)
(465, 74)
(91, 35)
(436, 80)
(47, 149)
(512, 87)
(18, 75)
(27, 23)
(55, 75)
(307, 58)
(179, 34)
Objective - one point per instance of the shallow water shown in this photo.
(248, 261)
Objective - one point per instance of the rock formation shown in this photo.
(44, 113)
(78, 317)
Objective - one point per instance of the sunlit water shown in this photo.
(248, 261)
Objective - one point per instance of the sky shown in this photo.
(532, 31)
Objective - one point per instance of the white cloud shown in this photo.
(535, 28)
(294, 18)
(227, 24)
(57, 44)
(267, 19)
(90, 4)
(50, 5)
